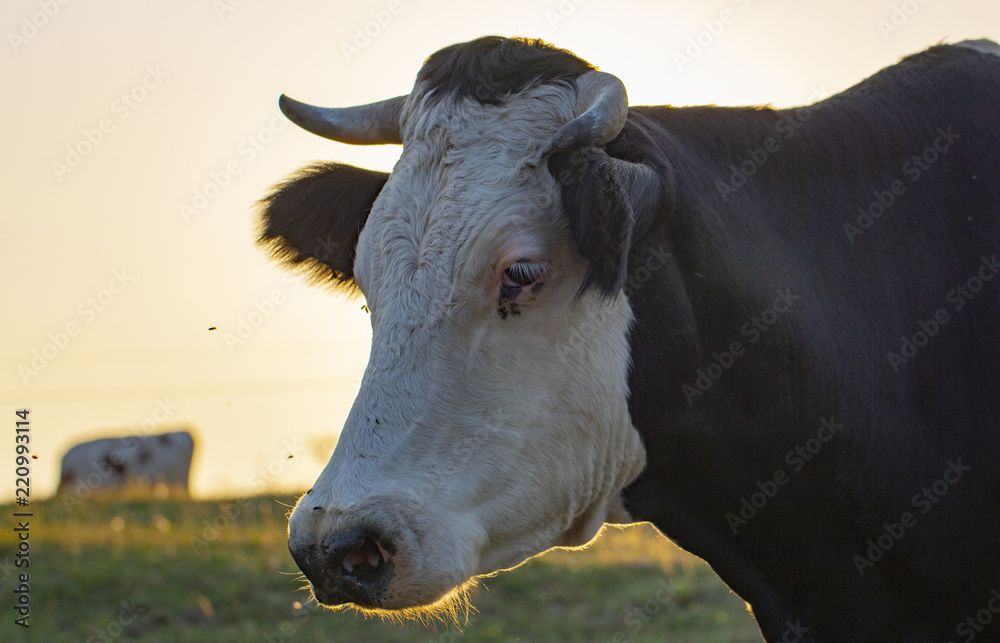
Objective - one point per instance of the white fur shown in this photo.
(496, 438)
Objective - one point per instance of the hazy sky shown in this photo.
(138, 135)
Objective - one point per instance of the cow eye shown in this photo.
(523, 272)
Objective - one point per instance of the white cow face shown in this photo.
(492, 421)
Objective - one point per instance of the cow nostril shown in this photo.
(354, 566)
(369, 556)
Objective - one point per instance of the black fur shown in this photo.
(826, 358)
(597, 209)
(490, 68)
(313, 219)
(698, 263)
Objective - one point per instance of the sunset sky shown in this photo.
(139, 135)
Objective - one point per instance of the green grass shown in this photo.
(186, 579)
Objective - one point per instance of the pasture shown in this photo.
(125, 568)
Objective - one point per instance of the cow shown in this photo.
(135, 461)
(772, 333)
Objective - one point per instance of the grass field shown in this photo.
(178, 570)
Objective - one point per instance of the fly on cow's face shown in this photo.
(509, 293)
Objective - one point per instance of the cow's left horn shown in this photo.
(371, 124)
(601, 110)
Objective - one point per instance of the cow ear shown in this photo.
(311, 221)
(599, 195)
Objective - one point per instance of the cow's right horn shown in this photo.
(371, 124)
(601, 110)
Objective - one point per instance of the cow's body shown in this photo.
(142, 461)
(897, 424)
(813, 343)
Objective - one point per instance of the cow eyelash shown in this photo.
(523, 273)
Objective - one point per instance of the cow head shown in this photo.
(492, 421)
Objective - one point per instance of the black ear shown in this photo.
(312, 219)
(598, 196)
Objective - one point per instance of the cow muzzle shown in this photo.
(354, 566)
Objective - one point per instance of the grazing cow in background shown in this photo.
(133, 461)
(774, 334)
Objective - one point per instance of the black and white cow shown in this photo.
(135, 461)
(774, 334)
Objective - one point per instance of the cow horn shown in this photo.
(371, 124)
(601, 110)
